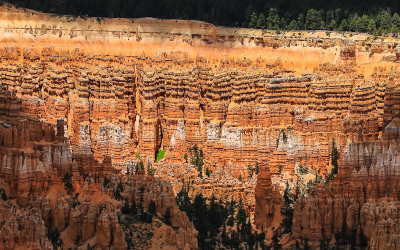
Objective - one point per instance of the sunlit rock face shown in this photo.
(35, 201)
(362, 202)
(256, 104)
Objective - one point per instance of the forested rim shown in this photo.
(375, 17)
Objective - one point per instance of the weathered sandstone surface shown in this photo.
(362, 203)
(250, 100)
(35, 157)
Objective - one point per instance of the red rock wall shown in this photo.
(362, 202)
(34, 158)
(244, 97)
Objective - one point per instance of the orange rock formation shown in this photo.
(249, 100)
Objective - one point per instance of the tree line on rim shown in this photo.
(374, 17)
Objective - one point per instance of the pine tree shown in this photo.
(152, 209)
(167, 216)
(183, 200)
(363, 23)
(68, 182)
(396, 19)
(343, 25)
(253, 20)
(335, 157)
(287, 210)
(384, 20)
(273, 19)
(125, 209)
(261, 21)
(301, 21)
(352, 24)
(314, 20)
(332, 24)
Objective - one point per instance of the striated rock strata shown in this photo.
(362, 202)
(34, 160)
(257, 104)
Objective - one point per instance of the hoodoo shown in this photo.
(129, 133)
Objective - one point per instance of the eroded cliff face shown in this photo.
(362, 203)
(36, 203)
(258, 105)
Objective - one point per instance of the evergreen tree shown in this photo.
(3, 194)
(275, 241)
(396, 19)
(314, 20)
(363, 23)
(67, 179)
(283, 24)
(133, 208)
(200, 220)
(249, 11)
(152, 209)
(257, 165)
(394, 29)
(261, 21)
(287, 210)
(118, 190)
(301, 21)
(293, 25)
(253, 20)
(343, 25)
(208, 172)
(335, 158)
(183, 199)
(332, 24)
(384, 20)
(167, 216)
(126, 208)
(273, 19)
(352, 24)
(236, 13)
(197, 158)
(54, 237)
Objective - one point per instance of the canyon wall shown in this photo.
(362, 203)
(258, 104)
(38, 207)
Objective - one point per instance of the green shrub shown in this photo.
(160, 155)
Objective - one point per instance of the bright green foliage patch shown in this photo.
(160, 155)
